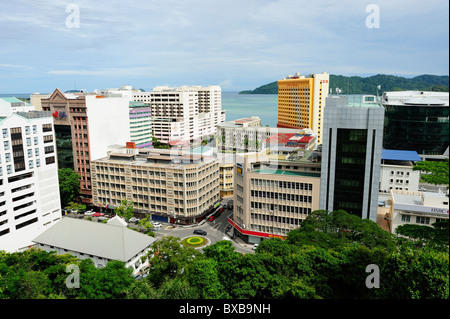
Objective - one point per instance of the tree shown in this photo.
(435, 172)
(69, 185)
(125, 209)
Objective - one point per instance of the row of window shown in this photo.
(274, 195)
(281, 184)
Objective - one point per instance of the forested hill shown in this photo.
(368, 85)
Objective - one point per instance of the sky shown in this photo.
(238, 45)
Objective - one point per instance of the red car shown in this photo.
(98, 214)
(211, 218)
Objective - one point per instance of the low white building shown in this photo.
(421, 208)
(29, 188)
(397, 171)
(13, 105)
(100, 242)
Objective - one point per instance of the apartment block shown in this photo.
(301, 101)
(12, 104)
(187, 113)
(273, 194)
(351, 157)
(85, 125)
(29, 188)
(175, 186)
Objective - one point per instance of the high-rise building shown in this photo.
(85, 125)
(301, 101)
(187, 113)
(140, 124)
(351, 157)
(29, 188)
(416, 121)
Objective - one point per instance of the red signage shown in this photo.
(254, 233)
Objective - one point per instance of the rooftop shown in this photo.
(284, 172)
(400, 155)
(111, 240)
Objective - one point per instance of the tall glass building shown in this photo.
(351, 156)
(416, 121)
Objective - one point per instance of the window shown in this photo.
(34, 129)
(406, 218)
(423, 220)
(6, 145)
(5, 133)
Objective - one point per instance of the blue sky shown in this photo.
(236, 44)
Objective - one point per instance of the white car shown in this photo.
(89, 213)
(255, 246)
(156, 224)
(134, 220)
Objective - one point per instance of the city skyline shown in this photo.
(235, 45)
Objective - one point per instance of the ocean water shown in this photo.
(245, 105)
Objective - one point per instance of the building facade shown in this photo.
(273, 196)
(85, 125)
(397, 171)
(419, 208)
(173, 186)
(416, 121)
(29, 187)
(187, 113)
(301, 101)
(351, 157)
(140, 124)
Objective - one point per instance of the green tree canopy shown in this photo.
(69, 185)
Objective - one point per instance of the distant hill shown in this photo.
(368, 85)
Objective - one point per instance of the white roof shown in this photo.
(112, 240)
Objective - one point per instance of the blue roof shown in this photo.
(398, 155)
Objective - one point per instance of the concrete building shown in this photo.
(29, 188)
(187, 113)
(175, 186)
(10, 105)
(99, 242)
(351, 157)
(247, 135)
(85, 125)
(420, 208)
(301, 101)
(35, 100)
(272, 195)
(397, 171)
(140, 124)
(417, 121)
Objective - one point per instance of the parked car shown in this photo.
(156, 224)
(89, 213)
(134, 220)
(200, 232)
(255, 246)
(98, 215)
(211, 218)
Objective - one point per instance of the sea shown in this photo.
(238, 105)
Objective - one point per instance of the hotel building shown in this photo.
(175, 186)
(85, 124)
(301, 101)
(29, 188)
(351, 157)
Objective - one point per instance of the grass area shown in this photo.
(194, 241)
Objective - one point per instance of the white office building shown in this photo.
(419, 208)
(10, 105)
(29, 189)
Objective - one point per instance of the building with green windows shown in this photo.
(351, 156)
(416, 121)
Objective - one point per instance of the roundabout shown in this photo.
(195, 241)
